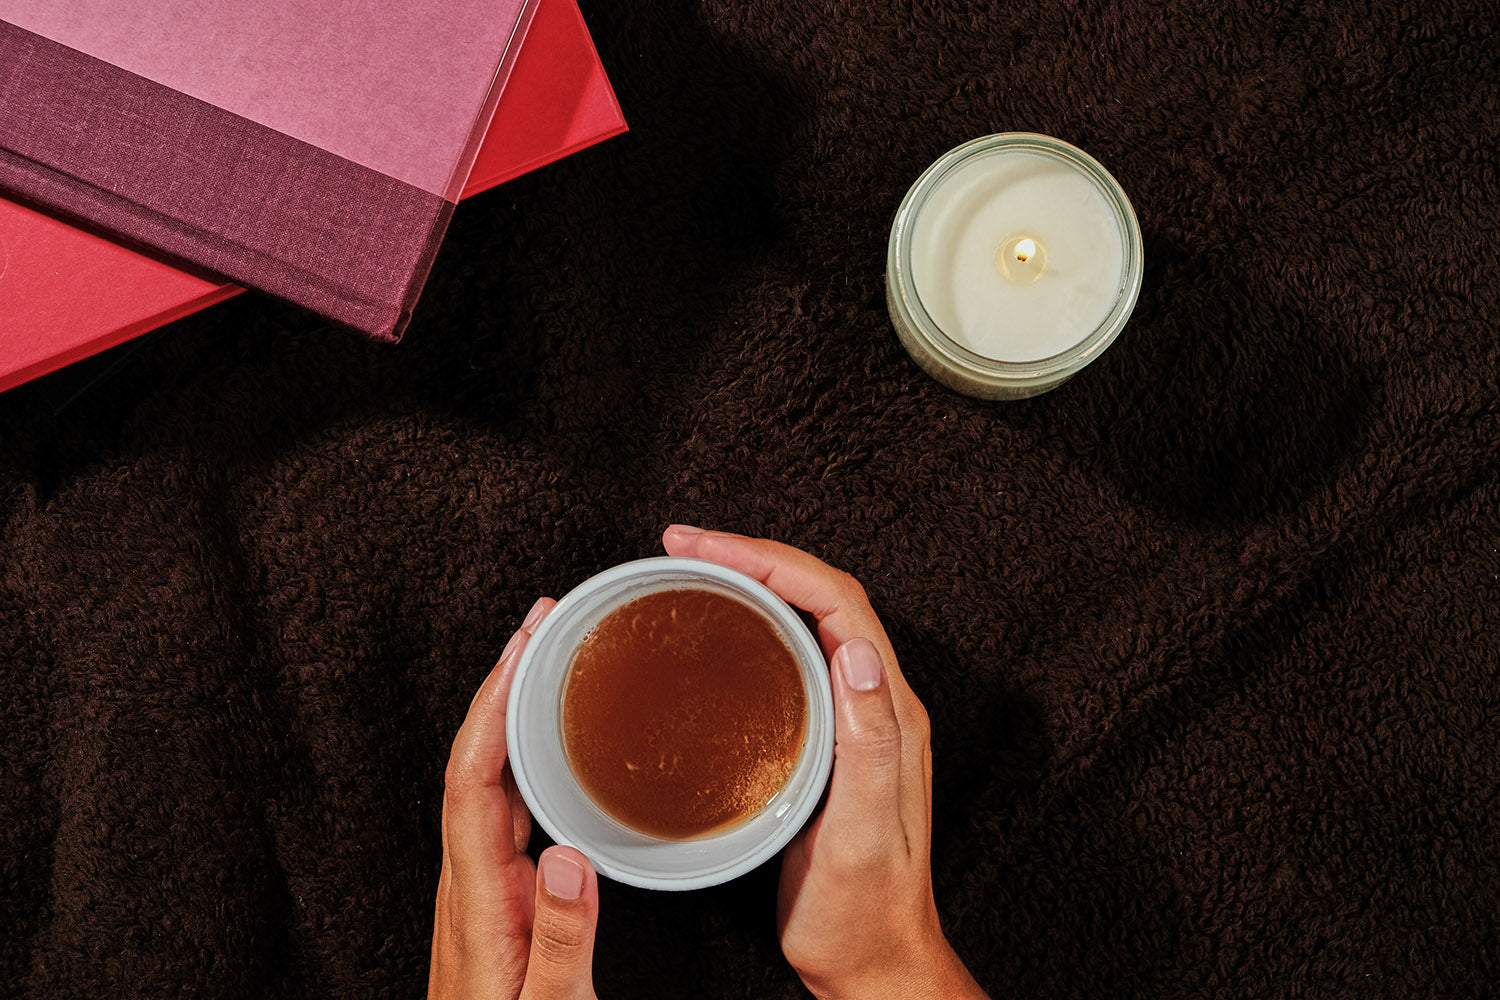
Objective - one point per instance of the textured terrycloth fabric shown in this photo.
(1208, 636)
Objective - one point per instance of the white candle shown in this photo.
(1014, 261)
(1016, 255)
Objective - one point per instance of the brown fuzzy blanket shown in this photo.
(1208, 636)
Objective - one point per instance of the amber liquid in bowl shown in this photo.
(684, 712)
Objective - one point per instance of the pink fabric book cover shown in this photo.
(309, 148)
(66, 294)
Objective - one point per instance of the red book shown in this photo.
(66, 294)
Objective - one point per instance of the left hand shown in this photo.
(505, 928)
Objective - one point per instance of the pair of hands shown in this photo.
(855, 912)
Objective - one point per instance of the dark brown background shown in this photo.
(1208, 636)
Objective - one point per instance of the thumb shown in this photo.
(865, 791)
(562, 934)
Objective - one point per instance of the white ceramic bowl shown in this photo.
(539, 760)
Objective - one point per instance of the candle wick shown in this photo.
(1021, 259)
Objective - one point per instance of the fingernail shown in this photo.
(535, 614)
(513, 645)
(862, 665)
(687, 530)
(562, 876)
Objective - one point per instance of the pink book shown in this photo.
(309, 148)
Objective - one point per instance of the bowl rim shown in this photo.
(806, 651)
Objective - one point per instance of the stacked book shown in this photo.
(314, 151)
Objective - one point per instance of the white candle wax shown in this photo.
(1017, 255)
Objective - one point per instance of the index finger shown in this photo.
(477, 819)
(830, 595)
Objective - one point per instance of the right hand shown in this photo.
(855, 911)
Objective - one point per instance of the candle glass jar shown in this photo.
(958, 366)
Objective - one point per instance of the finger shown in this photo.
(477, 810)
(520, 815)
(561, 966)
(916, 732)
(830, 595)
(865, 794)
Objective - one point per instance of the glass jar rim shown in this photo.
(1016, 373)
